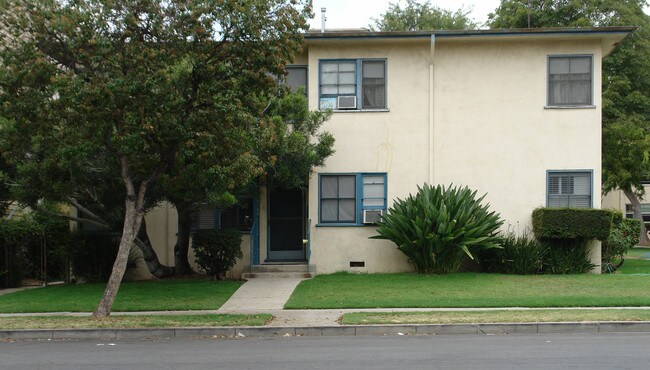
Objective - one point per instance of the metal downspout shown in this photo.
(431, 110)
(309, 246)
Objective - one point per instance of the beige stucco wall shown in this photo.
(616, 199)
(491, 132)
(394, 141)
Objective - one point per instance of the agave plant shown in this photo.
(438, 228)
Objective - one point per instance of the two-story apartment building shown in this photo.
(514, 114)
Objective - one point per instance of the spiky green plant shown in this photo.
(438, 228)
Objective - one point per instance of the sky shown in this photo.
(358, 13)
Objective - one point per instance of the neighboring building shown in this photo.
(515, 114)
(617, 200)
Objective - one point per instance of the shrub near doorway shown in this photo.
(439, 228)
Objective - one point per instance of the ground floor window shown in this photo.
(353, 199)
(239, 216)
(569, 189)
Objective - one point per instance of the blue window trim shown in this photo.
(591, 183)
(548, 82)
(359, 83)
(358, 198)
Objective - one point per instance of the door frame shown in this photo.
(286, 256)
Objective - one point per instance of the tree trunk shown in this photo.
(131, 218)
(154, 266)
(636, 214)
(182, 247)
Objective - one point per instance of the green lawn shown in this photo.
(140, 321)
(161, 295)
(367, 318)
(474, 290)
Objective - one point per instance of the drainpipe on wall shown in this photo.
(431, 97)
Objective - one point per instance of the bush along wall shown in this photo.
(440, 227)
(566, 233)
(624, 235)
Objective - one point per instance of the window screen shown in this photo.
(297, 78)
(569, 80)
(374, 85)
(338, 198)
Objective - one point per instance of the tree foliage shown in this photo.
(139, 86)
(626, 82)
(415, 16)
(564, 13)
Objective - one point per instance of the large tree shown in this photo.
(415, 16)
(626, 82)
(144, 82)
(289, 145)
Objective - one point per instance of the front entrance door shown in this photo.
(286, 225)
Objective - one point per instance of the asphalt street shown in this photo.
(536, 351)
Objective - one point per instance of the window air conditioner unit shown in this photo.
(346, 102)
(371, 216)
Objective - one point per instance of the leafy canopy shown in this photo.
(138, 86)
(415, 16)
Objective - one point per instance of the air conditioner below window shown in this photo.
(346, 102)
(371, 216)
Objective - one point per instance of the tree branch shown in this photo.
(102, 224)
(84, 209)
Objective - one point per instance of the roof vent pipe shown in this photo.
(323, 19)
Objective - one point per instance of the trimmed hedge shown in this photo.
(570, 223)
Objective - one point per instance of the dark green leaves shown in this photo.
(439, 227)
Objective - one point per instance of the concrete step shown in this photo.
(283, 268)
(276, 275)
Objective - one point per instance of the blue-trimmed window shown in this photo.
(239, 216)
(570, 80)
(352, 84)
(569, 189)
(344, 197)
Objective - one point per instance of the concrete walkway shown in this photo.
(261, 294)
(13, 290)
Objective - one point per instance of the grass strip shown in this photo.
(155, 295)
(500, 316)
(132, 321)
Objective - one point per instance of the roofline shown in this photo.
(356, 34)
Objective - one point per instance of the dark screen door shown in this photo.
(286, 225)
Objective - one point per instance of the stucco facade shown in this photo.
(464, 108)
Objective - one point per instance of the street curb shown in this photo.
(343, 330)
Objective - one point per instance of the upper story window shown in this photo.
(296, 78)
(569, 189)
(570, 81)
(356, 84)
